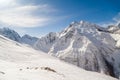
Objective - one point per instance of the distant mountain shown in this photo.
(27, 39)
(45, 43)
(13, 35)
(86, 45)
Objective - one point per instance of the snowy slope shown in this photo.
(115, 33)
(18, 62)
(86, 45)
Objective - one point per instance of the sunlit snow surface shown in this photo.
(18, 62)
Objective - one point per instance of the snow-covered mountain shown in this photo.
(18, 62)
(45, 43)
(13, 35)
(86, 45)
(29, 40)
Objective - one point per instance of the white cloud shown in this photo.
(5, 3)
(23, 15)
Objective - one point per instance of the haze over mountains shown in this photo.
(83, 44)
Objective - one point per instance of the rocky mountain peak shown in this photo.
(84, 44)
(10, 34)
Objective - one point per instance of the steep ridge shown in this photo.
(13, 35)
(86, 45)
(45, 43)
(18, 62)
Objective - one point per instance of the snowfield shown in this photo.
(19, 62)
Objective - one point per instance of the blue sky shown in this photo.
(39, 17)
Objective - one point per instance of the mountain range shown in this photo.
(13, 35)
(84, 44)
(20, 62)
